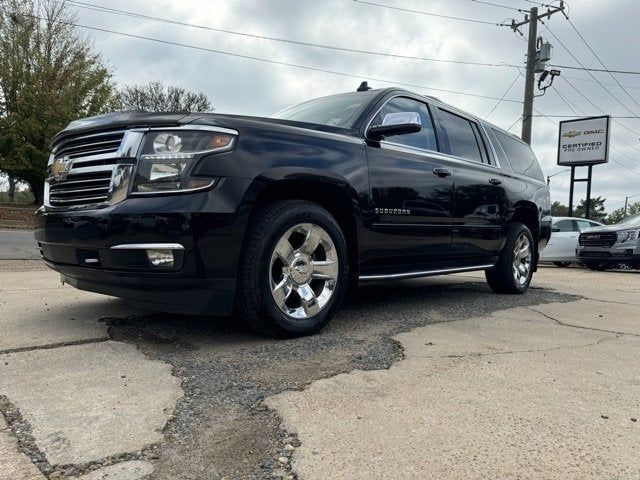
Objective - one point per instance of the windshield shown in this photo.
(633, 221)
(334, 111)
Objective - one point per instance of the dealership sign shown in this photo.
(584, 141)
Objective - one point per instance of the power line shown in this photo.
(591, 74)
(420, 12)
(589, 69)
(278, 62)
(596, 106)
(574, 108)
(496, 5)
(605, 83)
(514, 123)
(503, 95)
(115, 11)
(601, 62)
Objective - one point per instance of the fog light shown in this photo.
(160, 258)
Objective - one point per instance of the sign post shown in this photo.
(583, 142)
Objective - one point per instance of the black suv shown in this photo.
(278, 217)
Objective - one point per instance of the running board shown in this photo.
(424, 273)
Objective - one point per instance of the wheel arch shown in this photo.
(527, 213)
(332, 193)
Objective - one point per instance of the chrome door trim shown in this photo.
(424, 273)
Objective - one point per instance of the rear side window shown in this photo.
(425, 138)
(462, 136)
(520, 155)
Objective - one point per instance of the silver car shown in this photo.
(611, 246)
(561, 249)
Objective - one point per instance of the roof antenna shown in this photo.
(364, 86)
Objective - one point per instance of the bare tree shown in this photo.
(158, 97)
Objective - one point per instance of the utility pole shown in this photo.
(530, 78)
(532, 53)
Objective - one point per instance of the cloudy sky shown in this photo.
(253, 87)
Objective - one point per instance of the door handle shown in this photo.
(495, 181)
(442, 172)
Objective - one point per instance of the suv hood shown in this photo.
(609, 228)
(132, 119)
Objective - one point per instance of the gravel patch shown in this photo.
(222, 429)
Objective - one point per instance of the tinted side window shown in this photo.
(521, 157)
(504, 161)
(565, 226)
(461, 135)
(425, 138)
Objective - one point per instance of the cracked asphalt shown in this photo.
(89, 385)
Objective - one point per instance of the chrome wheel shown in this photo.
(303, 270)
(522, 256)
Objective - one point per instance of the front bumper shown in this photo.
(206, 225)
(156, 291)
(618, 253)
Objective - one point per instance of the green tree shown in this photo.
(617, 215)
(559, 210)
(158, 97)
(49, 75)
(597, 210)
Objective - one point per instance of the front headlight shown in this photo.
(627, 236)
(167, 158)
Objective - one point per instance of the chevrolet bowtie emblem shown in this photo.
(59, 169)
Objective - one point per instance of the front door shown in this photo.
(411, 193)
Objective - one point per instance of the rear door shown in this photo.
(479, 197)
(411, 192)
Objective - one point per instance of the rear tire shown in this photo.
(294, 269)
(514, 270)
(562, 264)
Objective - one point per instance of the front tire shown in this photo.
(294, 269)
(514, 270)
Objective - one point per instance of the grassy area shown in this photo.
(24, 197)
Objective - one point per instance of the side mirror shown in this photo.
(555, 229)
(400, 123)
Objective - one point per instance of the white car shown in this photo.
(561, 249)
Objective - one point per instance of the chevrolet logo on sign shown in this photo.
(59, 169)
(571, 134)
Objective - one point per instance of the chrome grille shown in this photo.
(80, 189)
(91, 159)
(598, 239)
(86, 145)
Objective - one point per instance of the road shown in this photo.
(430, 371)
(18, 245)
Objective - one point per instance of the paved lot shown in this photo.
(549, 391)
(479, 385)
(18, 245)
